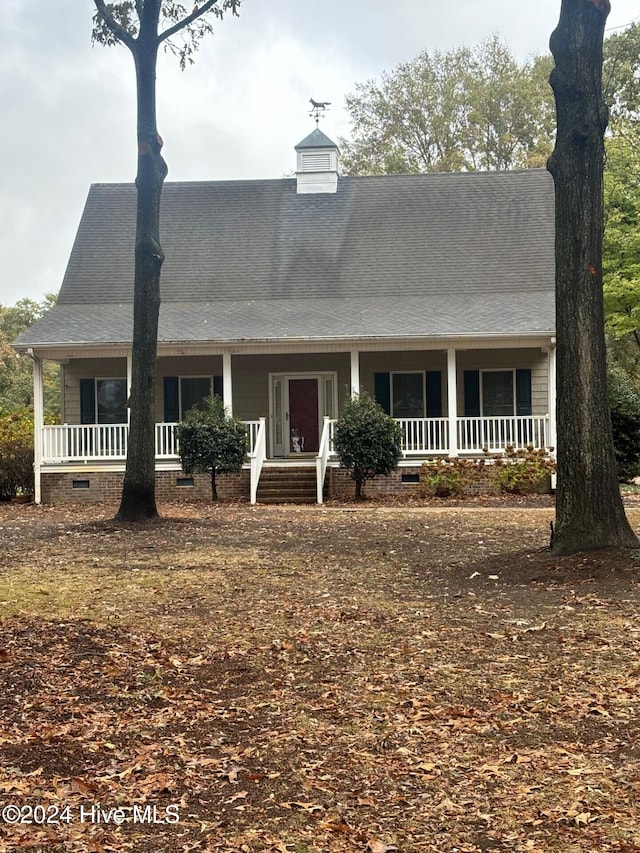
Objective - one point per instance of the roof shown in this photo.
(316, 139)
(464, 254)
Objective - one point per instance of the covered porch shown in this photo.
(73, 445)
(475, 399)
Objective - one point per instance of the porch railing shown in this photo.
(494, 435)
(63, 443)
(108, 442)
(422, 436)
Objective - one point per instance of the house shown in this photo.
(433, 292)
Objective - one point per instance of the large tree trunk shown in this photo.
(138, 494)
(589, 510)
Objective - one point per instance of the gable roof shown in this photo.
(464, 254)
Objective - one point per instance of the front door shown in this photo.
(298, 404)
(304, 436)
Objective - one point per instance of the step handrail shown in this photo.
(257, 458)
(322, 458)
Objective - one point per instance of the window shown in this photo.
(182, 393)
(407, 395)
(111, 401)
(497, 393)
(193, 390)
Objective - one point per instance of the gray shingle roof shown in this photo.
(385, 256)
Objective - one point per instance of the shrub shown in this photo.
(16, 453)
(210, 442)
(524, 471)
(516, 472)
(624, 401)
(450, 477)
(367, 441)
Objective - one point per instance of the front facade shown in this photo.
(433, 293)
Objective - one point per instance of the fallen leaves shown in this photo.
(301, 692)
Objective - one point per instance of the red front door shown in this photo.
(304, 436)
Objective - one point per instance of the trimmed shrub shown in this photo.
(210, 442)
(367, 441)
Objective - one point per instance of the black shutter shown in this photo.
(87, 401)
(523, 392)
(217, 386)
(382, 390)
(472, 393)
(434, 394)
(171, 400)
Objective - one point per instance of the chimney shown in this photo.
(317, 164)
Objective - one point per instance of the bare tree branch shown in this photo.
(197, 13)
(117, 29)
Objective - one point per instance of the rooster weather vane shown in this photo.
(318, 109)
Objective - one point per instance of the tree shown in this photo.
(621, 81)
(463, 109)
(622, 239)
(16, 371)
(367, 440)
(210, 442)
(136, 24)
(589, 507)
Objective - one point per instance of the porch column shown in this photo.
(38, 424)
(553, 438)
(129, 370)
(355, 372)
(227, 385)
(452, 400)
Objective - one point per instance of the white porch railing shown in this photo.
(257, 453)
(108, 442)
(75, 443)
(422, 436)
(324, 451)
(476, 435)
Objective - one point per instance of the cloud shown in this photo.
(68, 109)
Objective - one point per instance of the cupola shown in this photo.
(317, 164)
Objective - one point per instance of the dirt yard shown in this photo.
(315, 680)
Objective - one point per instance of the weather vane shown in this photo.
(318, 109)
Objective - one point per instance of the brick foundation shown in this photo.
(342, 487)
(106, 487)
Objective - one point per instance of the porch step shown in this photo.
(292, 484)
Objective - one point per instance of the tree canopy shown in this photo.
(622, 238)
(464, 109)
(16, 371)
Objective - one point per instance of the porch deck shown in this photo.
(422, 438)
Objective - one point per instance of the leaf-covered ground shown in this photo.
(320, 679)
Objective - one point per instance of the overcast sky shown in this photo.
(68, 108)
